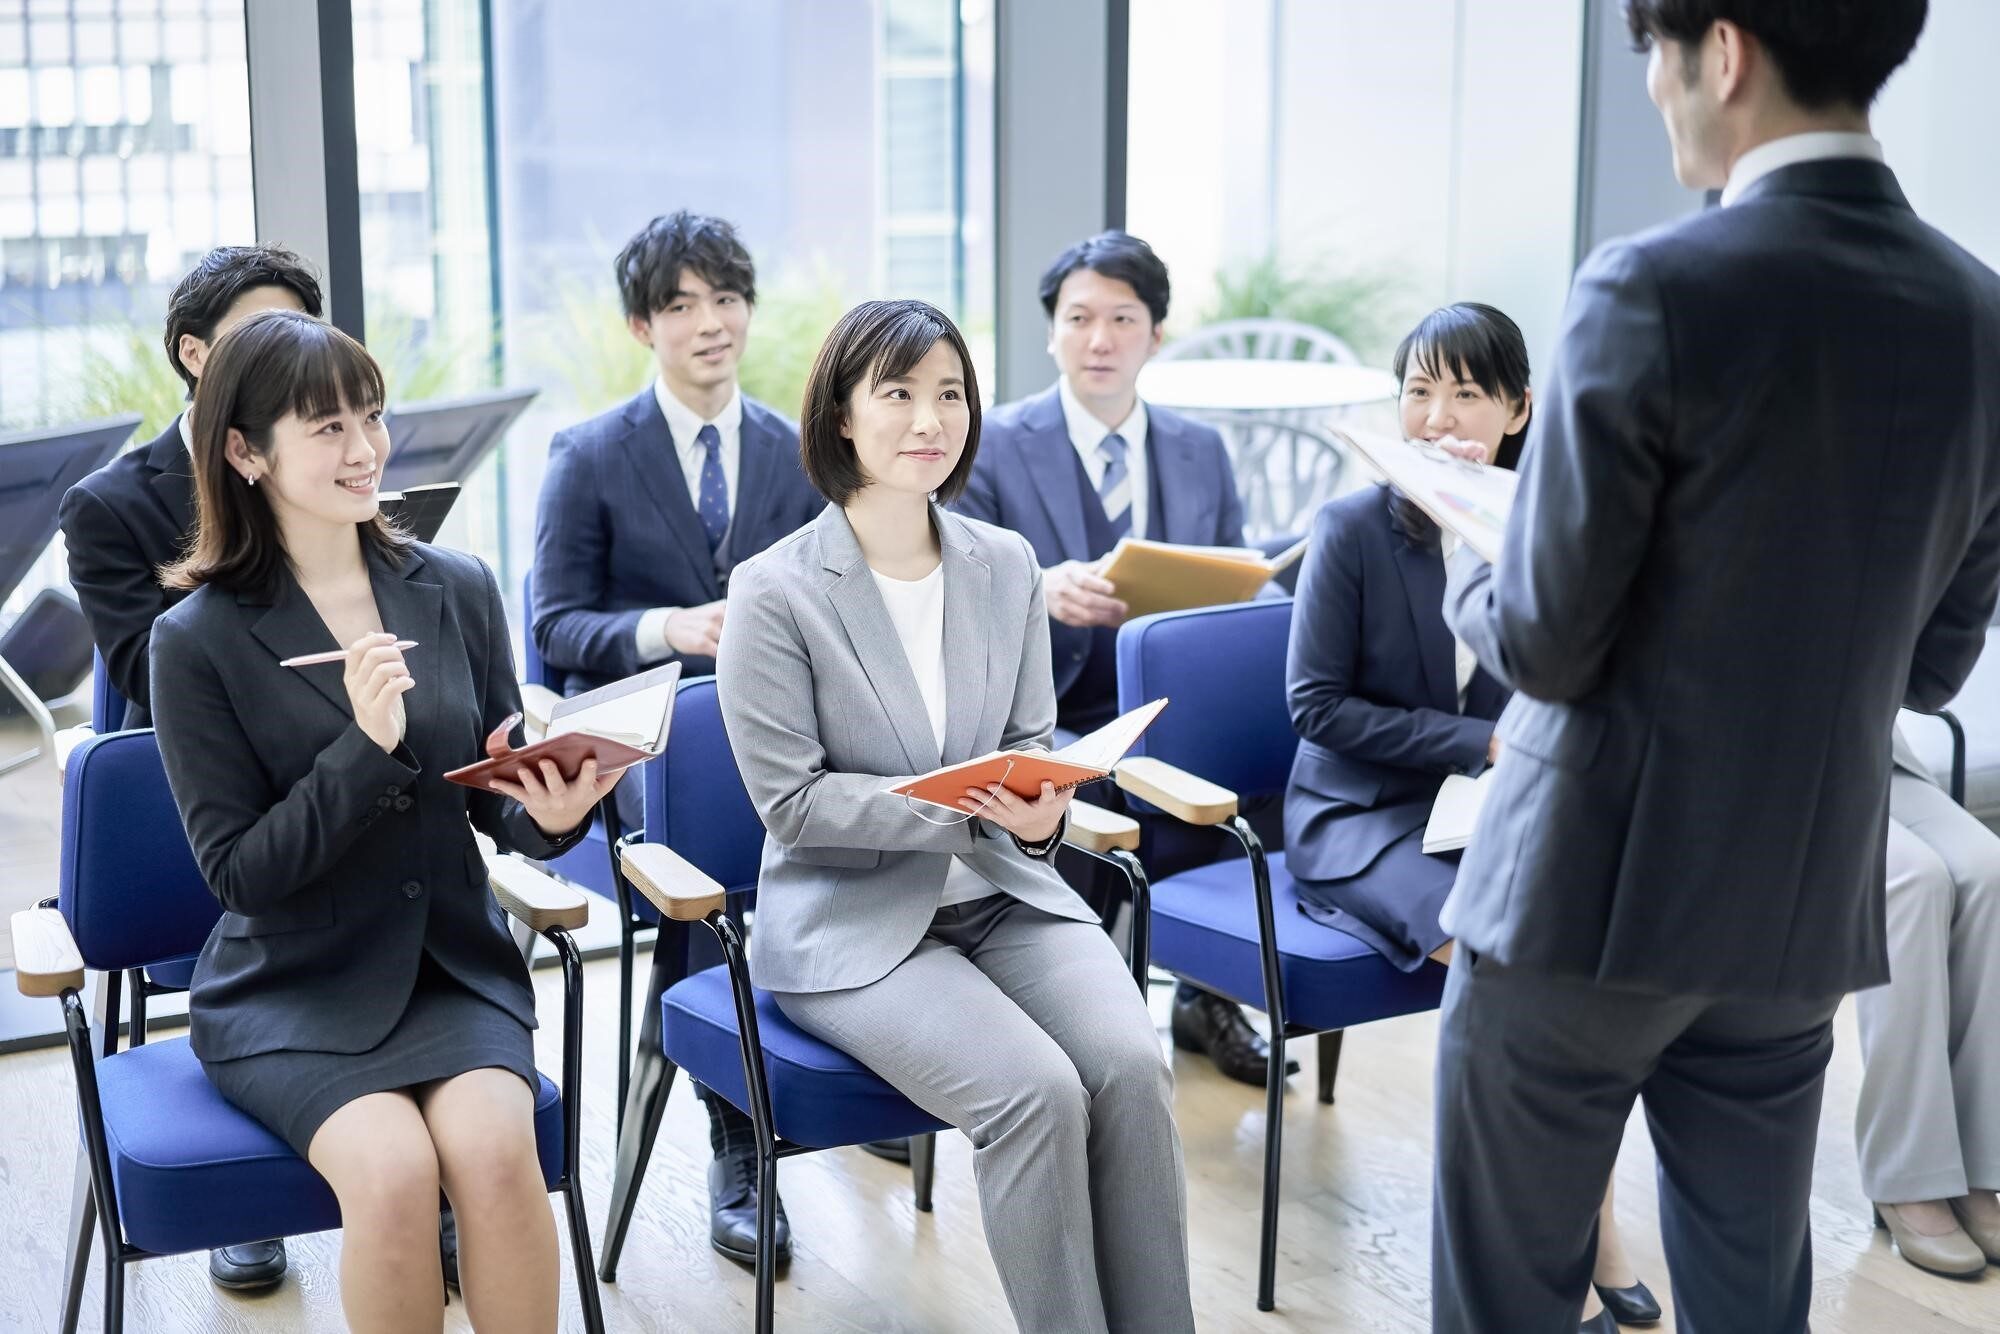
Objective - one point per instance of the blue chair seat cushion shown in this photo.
(192, 1172)
(820, 1096)
(1205, 930)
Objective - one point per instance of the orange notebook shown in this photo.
(619, 725)
(1083, 760)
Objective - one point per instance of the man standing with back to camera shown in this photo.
(1760, 510)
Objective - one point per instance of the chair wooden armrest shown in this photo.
(1094, 829)
(68, 740)
(46, 959)
(538, 705)
(534, 897)
(671, 883)
(1176, 791)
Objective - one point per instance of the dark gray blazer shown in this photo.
(824, 715)
(336, 862)
(1760, 510)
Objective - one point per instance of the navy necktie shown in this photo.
(712, 504)
(1115, 489)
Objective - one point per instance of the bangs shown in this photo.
(1468, 343)
(332, 372)
(906, 338)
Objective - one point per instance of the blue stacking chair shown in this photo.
(701, 849)
(1233, 926)
(593, 864)
(169, 1166)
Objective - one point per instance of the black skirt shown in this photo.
(445, 1030)
(1392, 905)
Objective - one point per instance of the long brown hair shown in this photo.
(273, 365)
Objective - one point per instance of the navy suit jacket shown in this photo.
(1025, 478)
(1759, 510)
(616, 534)
(1372, 681)
(120, 524)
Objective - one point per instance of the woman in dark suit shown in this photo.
(361, 994)
(1387, 704)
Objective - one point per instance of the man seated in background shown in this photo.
(1079, 466)
(644, 511)
(130, 517)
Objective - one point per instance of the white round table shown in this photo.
(1227, 385)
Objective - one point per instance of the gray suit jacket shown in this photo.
(1759, 510)
(824, 715)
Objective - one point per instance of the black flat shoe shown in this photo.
(1635, 1305)
(732, 1209)
(1216, 1028)
(894, 1150)
(248, 1268)
(1601, 1323)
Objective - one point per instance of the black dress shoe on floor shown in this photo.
(1601, 1323)
(732, 1208)
(1635, 1305)
(448, 1245)
(895, 1150)
(1217, 1029)
(260, 1264)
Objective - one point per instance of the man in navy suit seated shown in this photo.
(124, 521)
(644, 511)
(1086, 462)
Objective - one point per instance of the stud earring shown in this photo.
(251, 478)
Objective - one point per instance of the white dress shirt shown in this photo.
(1464, 660)
(1087, 433)
(1793, 149)
(187, 431)
(916, 609)
(685, 424)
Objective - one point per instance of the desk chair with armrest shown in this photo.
(1233, 926)
(167, 1166)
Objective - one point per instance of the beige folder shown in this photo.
(1161, 576)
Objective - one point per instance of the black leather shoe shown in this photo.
(895, 1150)
(1216, 1028)
(260, 1264)
(732, 1208)
(1601, 1323)
(1635, 1305)
(448, 1245)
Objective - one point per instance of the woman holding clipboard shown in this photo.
(361, 995)
(939, 947)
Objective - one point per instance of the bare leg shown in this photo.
(483, 1124)
(1442, 953)
(377, 1156)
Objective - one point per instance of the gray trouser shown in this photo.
(1025, 1031)
(1536, 1078)
(1928, 1124)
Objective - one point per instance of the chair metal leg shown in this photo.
(1140, 945)
(627, 951)
(136, 1035)
(114, 1295)
(1329, 1062)
(767, 1240)
(923, 1168)
(579, 1254)
(652, 1079)
(572, 1095)
(1274, 1138)
(76, 1262)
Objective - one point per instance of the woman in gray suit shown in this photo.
(360, 994)
(941, 949)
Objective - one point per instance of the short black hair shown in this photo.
(1828, 52)
(204, 296)
(1114, 254)
(649, 267)
(880, 340)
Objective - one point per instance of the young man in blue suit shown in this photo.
(1086, 462)
(1759, 510)
(644, 511)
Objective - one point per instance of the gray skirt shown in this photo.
(445, 1030)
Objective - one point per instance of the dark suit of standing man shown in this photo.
(1760, 510)
(1085, 463)
(130, 517)
(644, 512)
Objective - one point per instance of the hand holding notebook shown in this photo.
(619, 725)
(1167, 576)
(1023, 772)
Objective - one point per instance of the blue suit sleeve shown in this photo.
(1324, 658)
(572, 629)
(1955, 634)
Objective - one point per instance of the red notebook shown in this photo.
(1083, 760)
(619, 725)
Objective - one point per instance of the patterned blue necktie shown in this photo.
(1115, 489)
(713, 502)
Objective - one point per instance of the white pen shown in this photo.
(335, 655)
